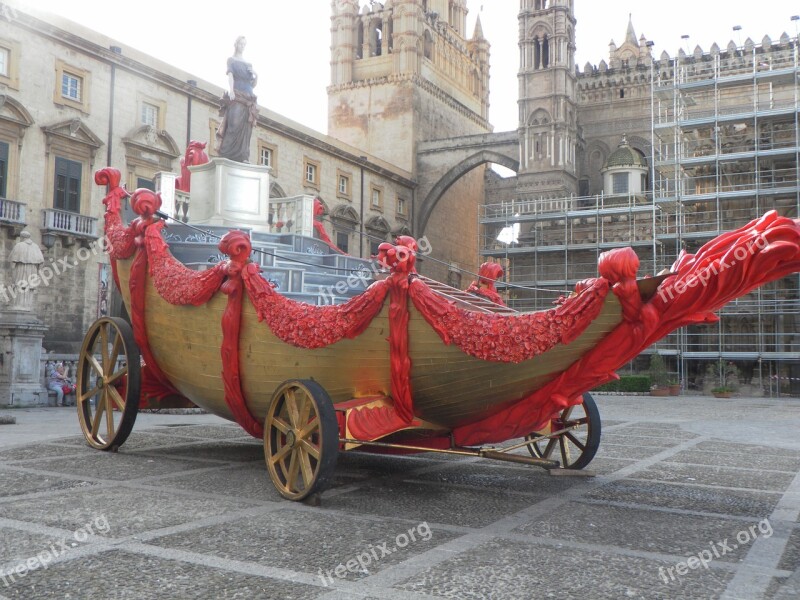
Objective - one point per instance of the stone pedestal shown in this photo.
(230, 194)
(21, 337)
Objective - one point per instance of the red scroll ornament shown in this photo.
(488, 273)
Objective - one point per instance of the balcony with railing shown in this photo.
(12, 212)
(68, 223)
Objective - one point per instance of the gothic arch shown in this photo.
(453, 175)
(539, 117)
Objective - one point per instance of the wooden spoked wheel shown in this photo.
(577, 446)
(301, 439)
(109, 379)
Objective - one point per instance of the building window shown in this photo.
(149, 115)
(620, 183)
(401, 207)
(343, 241)
(71, 86)
(344, 185)
(644, 183)
(5, 57)
(265, 156)
(3, 169)
(376, 198)
(144, 183)
(67, 188)
(311, 173)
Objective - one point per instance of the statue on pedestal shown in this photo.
(26, 258)
(239, 109)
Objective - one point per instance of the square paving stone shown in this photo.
(216, 432)
(224, 451)
(16, 483)
(430, 502)
(639, 529)
(17, 546)
(34, 452)
(483, 476)
(126, 510)
(603, 465)
(122, 575)
(718, 476)
(727, 459)
(623, 438)
(686, 497)
(736, 448)
(250, 482)
(312, 542)
(117, 466)
(516, 570)
(136, 441)
(627, 450)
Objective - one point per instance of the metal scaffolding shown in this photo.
(725, 150)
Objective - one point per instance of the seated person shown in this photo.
(56, 380)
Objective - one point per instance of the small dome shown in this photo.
(624, 156)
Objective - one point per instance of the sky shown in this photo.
(289, 41)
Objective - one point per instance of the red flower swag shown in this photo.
(513, 339)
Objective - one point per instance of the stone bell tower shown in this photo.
(548, 128)
(404, 71)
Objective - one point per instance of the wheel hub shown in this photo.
(291, 438)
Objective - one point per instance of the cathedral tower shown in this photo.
(403, 72)
(547, 103)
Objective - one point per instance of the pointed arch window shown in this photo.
(545, 52)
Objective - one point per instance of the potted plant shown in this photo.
(722, 392)
(659, 379)
(674, 388)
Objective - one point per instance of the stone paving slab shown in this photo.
(639, 529)
(16, 483)
(313, 542)
(17, 546)
(128, 511)
(690, 498)
(127, 576)
(516, 570)
(769, 462)
(772, 481)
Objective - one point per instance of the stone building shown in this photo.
(74, 101)
(661, 154)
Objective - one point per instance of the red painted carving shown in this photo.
(307, 326)
(487, 274)
(319, 227)
(195, 155)
(373, 423)
(235, 244)
(515, 338)
(722, 270)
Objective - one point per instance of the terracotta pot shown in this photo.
(675, 390)
(721, 394)
(659, 392)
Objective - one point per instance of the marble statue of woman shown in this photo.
(26, 258)
(239, 107)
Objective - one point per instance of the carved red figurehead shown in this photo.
(400, 257)
(195, 155)
(111, 177)
(488, 273)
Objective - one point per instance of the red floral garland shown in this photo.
(502, 338)
(308, 326)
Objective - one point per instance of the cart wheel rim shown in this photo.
(107, 390)
(301, 438)
(575, 448)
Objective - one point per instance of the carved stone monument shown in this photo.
(21, 333)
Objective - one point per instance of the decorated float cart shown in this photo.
(401, 367)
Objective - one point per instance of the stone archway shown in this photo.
(428, 204)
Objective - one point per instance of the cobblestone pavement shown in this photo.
(694, 498)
